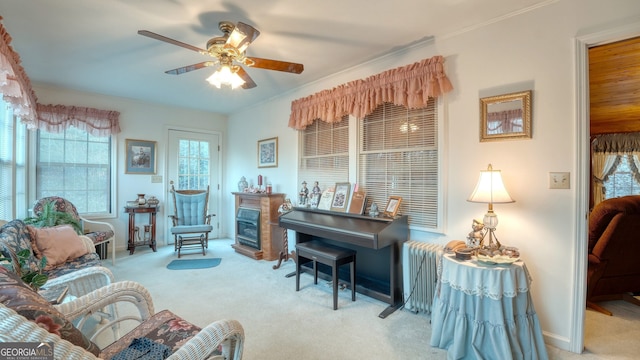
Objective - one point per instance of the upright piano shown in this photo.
(377, 241)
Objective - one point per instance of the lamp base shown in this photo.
(492, 236)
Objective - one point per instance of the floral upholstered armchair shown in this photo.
(101, 232)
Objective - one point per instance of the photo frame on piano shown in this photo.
(341, 197)
(393, 204)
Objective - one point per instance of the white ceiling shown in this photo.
(93, 45)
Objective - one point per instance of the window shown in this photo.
(77, 166)
(397, 155)
(325, 153)
(624, 180)
(13, 149)
(194, 164)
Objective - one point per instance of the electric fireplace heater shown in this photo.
(248, 227)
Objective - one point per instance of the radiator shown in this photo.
(420, 274)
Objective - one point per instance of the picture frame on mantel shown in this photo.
(140, 157)
(506, 116)
(268, 152)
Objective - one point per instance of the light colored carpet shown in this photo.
(281, 323)
(614, 337)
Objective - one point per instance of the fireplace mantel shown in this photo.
(270, 231)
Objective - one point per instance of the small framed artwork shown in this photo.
(392, 206)
(506, 116)
(268, 152)
(140, 157)
(326, 199)
(341, 197)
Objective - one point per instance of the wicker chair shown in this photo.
(83, 281)
(222, 339)
(101, 232)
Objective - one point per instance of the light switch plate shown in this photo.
(156, 178)
(559, 180)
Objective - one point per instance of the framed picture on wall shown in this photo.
(506, 116)
(268, 152)
(140, 157)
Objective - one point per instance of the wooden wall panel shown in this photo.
(614, 87)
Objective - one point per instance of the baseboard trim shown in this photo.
(561, 342)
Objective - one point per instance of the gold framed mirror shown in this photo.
(505, 116)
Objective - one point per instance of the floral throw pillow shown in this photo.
(16, 295)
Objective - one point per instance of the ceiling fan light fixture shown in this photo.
(228, 49)
(237, 37)
(225, 75)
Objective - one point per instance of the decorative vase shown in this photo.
(153, 201)
(242, 184)
(141, 200)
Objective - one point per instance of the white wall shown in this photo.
(143, 121)
(533, 50)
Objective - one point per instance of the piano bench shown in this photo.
(334, 256)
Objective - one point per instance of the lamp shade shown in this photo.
(225, 75)
(490, 188)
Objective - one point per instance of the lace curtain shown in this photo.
(606, 152)
(16, 90)
(15, 86)
(409, 86)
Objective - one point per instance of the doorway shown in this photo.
(193, 162)
(582, 45)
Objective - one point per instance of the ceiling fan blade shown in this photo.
(248, 81)
(242, 36)
(275, 65)
(170, 41)
(185, 69)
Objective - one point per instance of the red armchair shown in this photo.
(614, 246)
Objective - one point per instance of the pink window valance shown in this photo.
(14, 83)
(56, 118)
(409, 86)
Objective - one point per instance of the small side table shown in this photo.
(132, 241)
(485, 312)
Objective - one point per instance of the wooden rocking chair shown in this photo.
(191, 223)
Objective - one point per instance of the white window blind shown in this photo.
(399, 157)
(76, 166)
(13, 149)
(324, 154)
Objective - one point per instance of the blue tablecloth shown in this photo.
(485, 312)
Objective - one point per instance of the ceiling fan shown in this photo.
(227, 49)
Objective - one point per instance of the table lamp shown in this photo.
(490, 189)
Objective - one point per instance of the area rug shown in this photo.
(193, 264)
